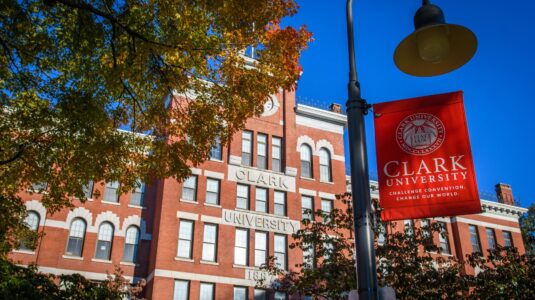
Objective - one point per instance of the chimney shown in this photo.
(504, 193)
(336, 108)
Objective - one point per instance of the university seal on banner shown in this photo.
(420, 134)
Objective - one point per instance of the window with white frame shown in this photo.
(306, 161)
(240, 293)
(104, 241)
(409, 227)
(131, 242)
(491, 238)
(326, 208)
(261, 200)
(75, 243)
(212, 191)
(111, 194)
(181, 291)
(242, 196)
(279, 296)
(216, 152)
(279, 203)
(261, 248)
(507, 239)
(325, 165)
(246, 148)
(189, 189)
(427, 233)
(138, 194)
(308, 255)
(209, 243)
(88, 189)
(328, 248)
(241, 247)
(443, 239)
(280, 251)
(185, 239)
(32, 222)
(276, 154)
(307, 208)
(381, 235)
(261, 151)
(474, 238)
(207, 291)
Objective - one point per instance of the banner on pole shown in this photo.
(424, 160)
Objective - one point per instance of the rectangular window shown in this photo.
(216, 152)
(189, 188)
(381, 234)
(409, 227)
(185, 239)
(241, 247)
(207, 291)
(307, 208)
(88, 189)
(209, 243)
(261, 200)
(261, 246)
(212, 191)
(444, 239)
(329, 248)
(491, 238)
(474, 238)
(240, 293)
(261, 151)
(280, 251)
(138, 194)
(111, 193)
(326, 208)
(280, 203)
(279, 296)
(246, 148)
(276, 154)
(308, 255)
(242, 196)
(426, 232)
(507, 239)
(181, 291)
(260, 294)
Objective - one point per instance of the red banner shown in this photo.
(424, 159)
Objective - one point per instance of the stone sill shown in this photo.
(206, 262)
(189, 201)
(73, 257)
(184, 259)
(111, 203)
(105, 261)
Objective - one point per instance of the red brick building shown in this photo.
(205, 237)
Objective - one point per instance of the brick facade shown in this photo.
(159, 259)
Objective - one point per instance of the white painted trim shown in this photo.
(56, 224)
(140, 223)
(202, 277)
(305, 139)
(319, 124)
(235, 160)
(104, 261)
(500, 217)
(443, 219)
(196, 171)
(88, 275)
(38, 207)
(72, 257)
(187, 215)
(307, 192)
(485, 224)
(322, 114)
(215, 175)
(327, 196)
(110, 217)
(210, 219)
(83, 213)
(23, 251)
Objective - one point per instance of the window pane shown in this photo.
(189, 188)
(308, 255)
(260, 294)
(246, 147)
(280, 203)
(88, 189)
(216, 151)
(276, 154)
(260, 248)
(181, 290)
(74, 246)
(280, 296)
(103, 250)
(32, 220)
(209, 242)
(77, 228)
(240, 293)
(326, 207)
(212, 191)
(131, 243)
(443, 238)
(306, 161)
(507, 239)
(261, 199)
(491, 238)
(207, 291)
(280, 251)
(307, 208)
(242, 196)
(111, 193)
(325, 165)
(105, 232)
(241, 246)
(474, 238)
(185, 238)
(137, 194)
(409, 227)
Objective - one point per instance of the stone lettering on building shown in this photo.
(261, 178)
(256, 275)
(259, 221)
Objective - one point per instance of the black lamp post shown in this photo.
(434, 48)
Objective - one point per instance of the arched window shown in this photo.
(104, 242)
(306, 161)
(32, 221)
(131, 242)
(325, 165)
(75, 243)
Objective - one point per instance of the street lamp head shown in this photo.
(435, 47)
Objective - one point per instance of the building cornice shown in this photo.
(321, 114)
(497, 208)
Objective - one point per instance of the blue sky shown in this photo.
(498, 83)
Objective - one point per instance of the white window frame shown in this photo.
(276, 154)
(281, 252)
(180, 284)
(104, 239)
(259, 192)
(325, 165)
(247, 148)
(211, 192)
(210, 291)
(261, 151)
(77, 232)
(307, 170)
(240, 196)
(190, 185)
(279, 203)
(185, 238)
(209, 243)
(131, 240)
(310, 213)
(261, 248)
(241, 249)
(111, 193)
(331, 207)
